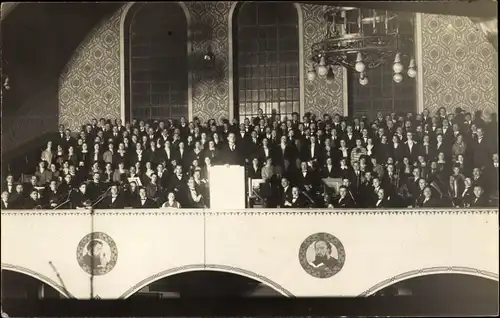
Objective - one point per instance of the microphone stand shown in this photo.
(308, 197)
(101, 197)
(352, 197)
(65, 201)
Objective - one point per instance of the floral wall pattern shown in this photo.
(320, 97)
(459, 65)
(89, 85)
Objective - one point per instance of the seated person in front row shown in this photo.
(297, 201)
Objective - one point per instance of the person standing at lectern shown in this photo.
(230, 154)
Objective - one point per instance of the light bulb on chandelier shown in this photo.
(397, 67)
(330, 77)
(397, 77)
(322, 70)
(412, 72)
(363, 79)
(359, 66)
(311, 74)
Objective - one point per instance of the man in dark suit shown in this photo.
(467, 194)
(52, 196)
(96, 187)
(480, 200)
(344, 201)
(230, 153)
(80, 198)
(143, 202)
(411, 148)
(328, 170)
(382, 201)
(428, 200)
(298, 200)
(32, 202)
(481, 150)
(114, 201)
(17, 197)
(286, 192)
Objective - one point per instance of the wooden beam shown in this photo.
(470, 8)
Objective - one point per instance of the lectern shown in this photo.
(227, 187)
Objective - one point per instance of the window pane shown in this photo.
(158, 61)
(273, 27)
(382, 93)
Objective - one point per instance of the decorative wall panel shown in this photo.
(209, 30)
(459, 65)
(320, 97)
(89, 85)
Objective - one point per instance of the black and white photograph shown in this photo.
(344, 152)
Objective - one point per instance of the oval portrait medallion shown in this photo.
(97, 253)
(322, 255)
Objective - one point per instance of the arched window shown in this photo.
(266, 64)
(156, 62)
(382, 93)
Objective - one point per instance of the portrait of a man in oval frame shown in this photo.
(97, 253)
(322, 255)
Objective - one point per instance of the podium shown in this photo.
(227, 187)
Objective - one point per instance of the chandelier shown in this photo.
(359, 40)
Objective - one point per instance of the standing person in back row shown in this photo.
(231, 153)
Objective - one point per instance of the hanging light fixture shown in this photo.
(360, 40)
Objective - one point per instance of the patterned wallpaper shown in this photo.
(89, 85)
(209, 27)
(320, 97)
(459, 65)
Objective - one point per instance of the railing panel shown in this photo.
(378, 245)
(370, 249)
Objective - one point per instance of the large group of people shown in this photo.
(394, 160)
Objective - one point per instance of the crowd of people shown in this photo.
(395, 160)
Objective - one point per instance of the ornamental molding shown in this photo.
(252, 212)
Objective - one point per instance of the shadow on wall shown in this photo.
(37, 116)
